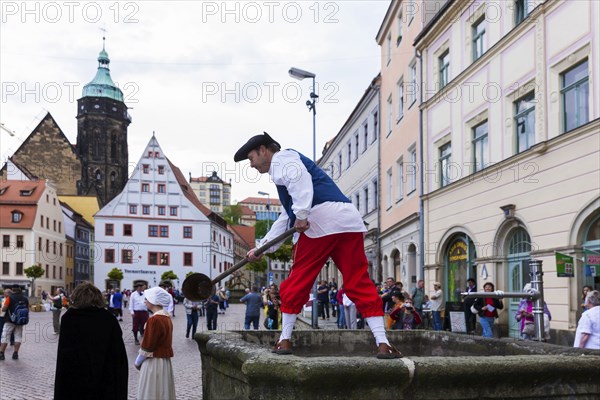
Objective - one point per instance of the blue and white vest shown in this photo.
(324, 189)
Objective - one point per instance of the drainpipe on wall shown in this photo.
(421, 190)
(379, 274)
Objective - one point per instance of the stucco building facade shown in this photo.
(512, 150)
(351, 160)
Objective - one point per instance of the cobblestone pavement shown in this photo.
(32, 376)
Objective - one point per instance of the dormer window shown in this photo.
(26, 192)
(17, 216)
(3, 190)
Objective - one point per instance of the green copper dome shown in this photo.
(102, 85)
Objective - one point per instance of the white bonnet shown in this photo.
(527, 287)
(158, 296)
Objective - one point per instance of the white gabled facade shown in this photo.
(157, 224)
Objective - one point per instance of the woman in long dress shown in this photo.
(154, 358)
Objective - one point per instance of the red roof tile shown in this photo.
(261, 200)
(246, 233)
(191, 196)
(12, 199)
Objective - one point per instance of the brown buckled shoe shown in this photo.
(282, 347)
(387, 352)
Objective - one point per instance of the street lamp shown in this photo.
(300, 74)
(268, 227)
(268, 208)
(4, 128)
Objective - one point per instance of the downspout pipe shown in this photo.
(379, 277)
(421, 174)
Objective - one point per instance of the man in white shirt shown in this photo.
(328, 225)
(587, 335)
(138, 310)
(436, 299)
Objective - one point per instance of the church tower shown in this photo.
(102, 122)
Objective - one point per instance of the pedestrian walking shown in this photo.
(327, 224)
(57, 305)
(254, 304)
(13, 305)
(91, 360)
(117, 302)
(3, 316)
(191, 310)
(212, 305)
(154, 357)
(138, 310)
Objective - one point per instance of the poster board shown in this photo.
(457, 322)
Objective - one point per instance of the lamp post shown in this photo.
(5, 129)
(268, 227)
(300, 74)
(311, 104)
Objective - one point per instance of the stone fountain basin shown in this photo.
(341, 364)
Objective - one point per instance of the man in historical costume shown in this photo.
(138, 310)
(328, 225)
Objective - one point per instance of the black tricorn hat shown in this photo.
(254, 143)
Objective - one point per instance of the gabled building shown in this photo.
(32, 232)
(243, 241)
(264, 208)
(157, 224)
(81, 233)
(351, 159)
(97, 165)
(400, 232)
(212, 191)
(46, 154)
(248, 216)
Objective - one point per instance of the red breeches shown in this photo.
(348, 253)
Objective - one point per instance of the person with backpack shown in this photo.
(16, 306)
(7, 292)
(57, 305)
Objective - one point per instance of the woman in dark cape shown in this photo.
(92, 360)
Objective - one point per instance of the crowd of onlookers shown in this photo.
(420, 310)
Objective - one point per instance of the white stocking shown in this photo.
(376, 325)
(287, 326)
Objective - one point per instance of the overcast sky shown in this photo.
(205, 76)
